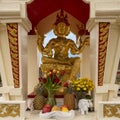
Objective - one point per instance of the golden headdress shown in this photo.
(62, 18)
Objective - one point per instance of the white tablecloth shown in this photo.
(58, 115)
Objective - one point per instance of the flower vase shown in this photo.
(82, 94)
(77, 100)
(51, 99)
(79, 95)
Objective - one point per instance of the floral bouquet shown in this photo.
(52, 81)
(82, 86)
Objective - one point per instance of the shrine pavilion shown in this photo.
(24, 27)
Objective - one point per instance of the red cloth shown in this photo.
(32, 95)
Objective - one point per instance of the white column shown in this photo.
(14, 11)
(5, 63)
(85, 66)
(33, 63)
(104, 11)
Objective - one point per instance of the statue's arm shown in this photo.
(48, 48)
(83, 42)
(73, 48)
(40, 41)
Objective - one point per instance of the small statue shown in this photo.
(83, 106)
(55, 53)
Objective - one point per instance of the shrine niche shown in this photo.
(55, 53)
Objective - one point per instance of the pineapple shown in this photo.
(39, 100)
(69, 99)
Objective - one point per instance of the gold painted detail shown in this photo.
(103, 42)
(9, 110)
(12, 29)
(111, 110)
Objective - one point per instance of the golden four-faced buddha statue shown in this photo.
(55, 53)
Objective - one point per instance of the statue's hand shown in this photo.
(47, 52)
(87, 42)
(40, 41)
(83, 41)
(40, 37)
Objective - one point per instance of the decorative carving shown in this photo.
(103, 41)
(111, 110)
(9, 110)
(12, 29)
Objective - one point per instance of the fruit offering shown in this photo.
(49, 108)
(46, 108)
(56, 108)
(64, 108)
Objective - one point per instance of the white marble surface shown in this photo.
(34, 115)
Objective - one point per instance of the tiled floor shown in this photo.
(34, 115)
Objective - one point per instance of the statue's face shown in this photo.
(61, 28)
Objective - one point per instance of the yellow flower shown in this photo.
(84, 88)
(45, 76)
(78, 88)
(53, 85)
(75, 82)
(83, 84)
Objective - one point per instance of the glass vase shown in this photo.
(51, 98)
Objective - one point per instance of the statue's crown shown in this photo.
(62, 18)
